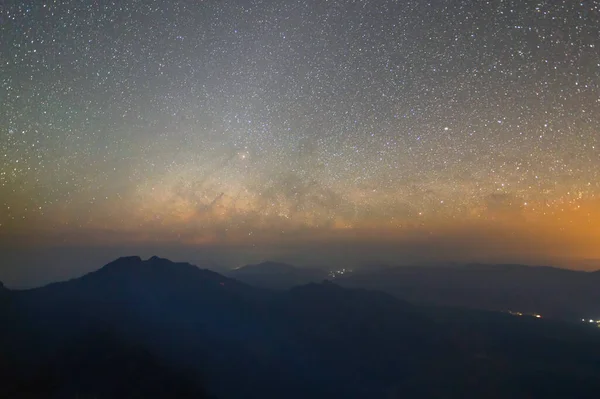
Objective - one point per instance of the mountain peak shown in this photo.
(130, 275)
(127, 259)
(123, 262)
(136, 262)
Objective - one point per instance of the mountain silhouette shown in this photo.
(139, 328)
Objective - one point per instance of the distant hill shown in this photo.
(552, 292)
(139, 328)
(276, 275)
(266, 267)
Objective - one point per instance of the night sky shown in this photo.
(296, 130)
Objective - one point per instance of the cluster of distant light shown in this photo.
(536, 315)
(591, 321)
(208, 120)
(340, 272)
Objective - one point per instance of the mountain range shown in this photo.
(551, 292)
(155, 328)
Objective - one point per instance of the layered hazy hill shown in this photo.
(552, 292)
(139, 328)
(277, 275)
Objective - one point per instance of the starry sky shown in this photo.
(273, 129)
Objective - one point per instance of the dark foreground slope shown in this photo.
(160, 329)
(98, 364)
